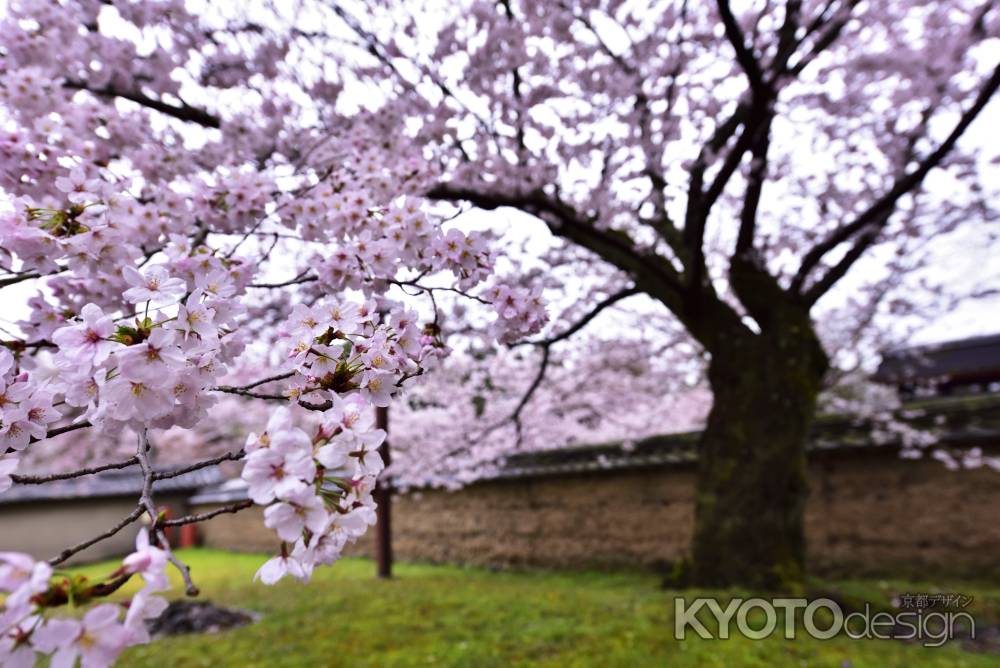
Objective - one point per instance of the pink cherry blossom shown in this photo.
(15, 429)
(143, 608)
(278, 567)
(96, 640)
(148, 560)
(271, 473)
(153, 284)
(8, 464)
(378, 388)
(154, 362)
(193, 317)
(126, 400)
(78, 188)
(88, 342)
(17, 644)
(299, 510)
(21, 577)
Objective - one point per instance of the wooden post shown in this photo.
(383, 497)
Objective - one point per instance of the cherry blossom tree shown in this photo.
(195, 226)
(747, 166)
(231, 200)
(586, 392)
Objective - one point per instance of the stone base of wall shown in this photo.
(869, 512)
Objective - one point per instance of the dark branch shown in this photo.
(17, 278)
(744, 56)
(146, 503)
(228, 457)
(839, 270)
(201, 517)
(755, 184)
(301, 278)
(878, 214)
(56, 431)
(79, 473)
(70, 551)
(515, 416)
(183, 111)
(326, 405)
(263, 381)
(607, 302)
(432, 289)
(652, 273)
(698, 203)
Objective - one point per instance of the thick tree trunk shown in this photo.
(752, 482)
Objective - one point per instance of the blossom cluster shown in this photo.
(370, 243)
(318, 489)
(520, 312)
(151, 368)
(31, 588)
(142, 334)
(149, 249)
(341, 347)
(143, 344)
(26, 410)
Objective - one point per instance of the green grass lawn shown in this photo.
(451, 616)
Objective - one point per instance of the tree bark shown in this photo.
(752, 477)
(383, 499)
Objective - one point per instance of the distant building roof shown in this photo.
(222, 492)
(956, 421)
(963, 422)
(966, 361)
(108, 484)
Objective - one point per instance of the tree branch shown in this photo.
(607, 302)
(184, 111)
(837, 272)
(79, 473)
(304, 277)
(652, 273)
(70, 551)
(759, 145)
(56, 431)
(17, 278)
(228, 457)
(878, 214)
(146, 502)
(698, 203)
(744, 56)
(232, 508)
(515, 415)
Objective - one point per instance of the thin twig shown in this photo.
(229, 456)
(146, 501)
(309, 405)
(301, 278)
(41, 479)
(201, 517)
(66, 428)
(70, 551)
(262, 381)
(431, 289)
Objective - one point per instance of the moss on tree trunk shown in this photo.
(752, 477)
